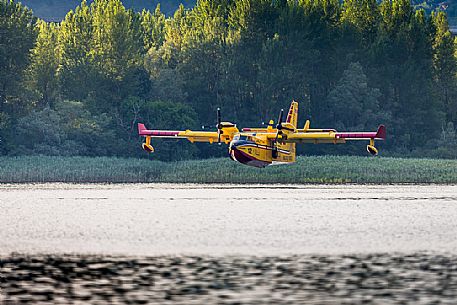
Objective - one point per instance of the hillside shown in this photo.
(55, 10)
(450, 7)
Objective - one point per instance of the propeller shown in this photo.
(279, 128)
(219, 125)
(279, 125)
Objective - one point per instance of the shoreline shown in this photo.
(228, 185)
(308, 170)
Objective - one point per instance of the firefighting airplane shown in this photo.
(260, 147)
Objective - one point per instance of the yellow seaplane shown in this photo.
(260, 147)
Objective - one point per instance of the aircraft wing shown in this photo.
(192, 136)
(330, 136)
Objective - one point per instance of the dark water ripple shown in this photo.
(418, 278)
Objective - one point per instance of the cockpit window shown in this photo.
(241, 137)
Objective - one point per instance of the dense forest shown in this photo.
(78, 87)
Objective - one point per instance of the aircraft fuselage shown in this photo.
(255, 150)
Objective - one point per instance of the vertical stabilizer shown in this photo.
(292, 117)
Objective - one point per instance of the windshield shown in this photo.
(240, 137)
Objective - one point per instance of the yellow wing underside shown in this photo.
(287, 137)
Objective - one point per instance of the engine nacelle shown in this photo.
(372, 150)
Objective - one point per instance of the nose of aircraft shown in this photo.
(237, 154)
(233, 148)
(234, 144)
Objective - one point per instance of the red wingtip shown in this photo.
(381, 134)
(141, 128)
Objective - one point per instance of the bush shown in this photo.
(69, 130)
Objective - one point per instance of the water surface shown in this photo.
(163, 219)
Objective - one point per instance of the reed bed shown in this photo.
(315, 169)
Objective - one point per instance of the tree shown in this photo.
(17, 36)
(353, 105)
(444, 66)
(116, 53)
(153, 27)
(115, 47)
(402, 69)
(160, 114)
(40, 132)
(67, 130)
(364, 16)
(44, 63)
(76, 72)
(249, 57)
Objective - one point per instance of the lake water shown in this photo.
(157, 219)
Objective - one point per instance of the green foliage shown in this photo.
(17, 37)
(114, 45)
(67, 130)
(153, 27)
(171, 116)
(445, 66)
(329, 169)
(43, 67)
(351, 65)
(355, 105)
(76, 72)
(40, 133)
(364, 16)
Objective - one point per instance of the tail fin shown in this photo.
(292, 117)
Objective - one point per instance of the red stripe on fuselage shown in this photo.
(244, 158)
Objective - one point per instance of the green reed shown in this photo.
(316, 169)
